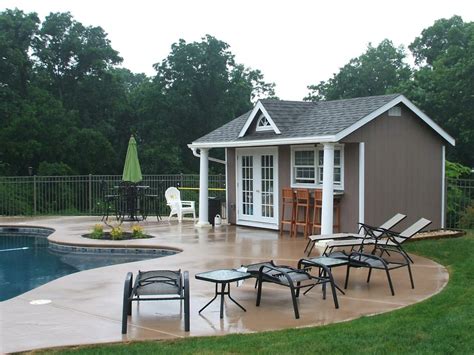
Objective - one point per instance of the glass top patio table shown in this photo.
(223, 277)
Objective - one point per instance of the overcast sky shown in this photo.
(294, 43)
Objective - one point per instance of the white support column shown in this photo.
(362, 183)
(328, 189)
(203, 189)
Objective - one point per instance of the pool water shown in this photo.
(27, 262)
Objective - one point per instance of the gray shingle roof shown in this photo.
(297, 119)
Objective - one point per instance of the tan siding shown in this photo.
(402, 169)
(350, 200)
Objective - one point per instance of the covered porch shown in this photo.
(256, 175)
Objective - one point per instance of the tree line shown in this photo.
(67, 107)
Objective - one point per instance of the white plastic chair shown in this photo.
(178, 207)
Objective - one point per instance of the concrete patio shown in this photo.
(86, 306)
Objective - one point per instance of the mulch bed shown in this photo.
(125, 236)
(439, 234)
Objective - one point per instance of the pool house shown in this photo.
(379, 155)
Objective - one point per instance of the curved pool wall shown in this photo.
(28, 259)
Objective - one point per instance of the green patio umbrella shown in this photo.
(131, 169)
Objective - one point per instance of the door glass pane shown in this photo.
(267, 186)
(247, 185)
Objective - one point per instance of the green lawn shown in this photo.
(441, 324)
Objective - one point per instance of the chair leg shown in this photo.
(368, 276)
(333, 287)
(186, 302)
(259, 290)
(347, 276)
(389, 281)
(295, 304)
(411, 276)
(126, 306)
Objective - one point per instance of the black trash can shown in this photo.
(214, 208)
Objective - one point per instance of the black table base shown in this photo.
(222, 293)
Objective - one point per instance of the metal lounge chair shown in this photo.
(370, 261)
(365, 231)
(156, 285)
(294, 279)
(384, 242)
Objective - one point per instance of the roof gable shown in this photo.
(257, 111)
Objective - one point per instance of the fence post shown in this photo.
(34, 195)
(90, 194)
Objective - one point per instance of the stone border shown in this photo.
(65, 248)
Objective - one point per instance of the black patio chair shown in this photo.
(294, 279)
(152, 203)
(156, 285)
(128, 206)
(109, 200)
(371, 261)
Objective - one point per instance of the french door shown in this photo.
(257, 187)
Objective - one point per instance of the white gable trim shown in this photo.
(386, 107)
(258, 107)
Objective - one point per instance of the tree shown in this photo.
(436, 40)
(203, 87)
(67, 52)
(17, 31)
(376, 72)
(442, 85)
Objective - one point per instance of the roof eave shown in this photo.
(263, 142)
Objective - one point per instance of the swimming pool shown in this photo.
(29, 260)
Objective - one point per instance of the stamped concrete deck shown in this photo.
(86, 306)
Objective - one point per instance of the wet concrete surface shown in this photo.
(86, 307)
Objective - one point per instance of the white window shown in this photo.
(307, 166)
(337, 166)
(263, 124)
(303, 167)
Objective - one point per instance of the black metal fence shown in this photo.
(83, 194)
(460, 203)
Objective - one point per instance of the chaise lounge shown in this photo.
(156, 285)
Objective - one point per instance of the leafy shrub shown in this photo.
(116, 233)
(97, 231)
(466, 220)
(137, 232)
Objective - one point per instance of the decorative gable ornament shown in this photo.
(264, 121)
(263, 124)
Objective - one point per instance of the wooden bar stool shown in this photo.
(288, 202)
(302, 211)
(318, 207)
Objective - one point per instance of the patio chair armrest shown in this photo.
(369, 231)
(188, 203)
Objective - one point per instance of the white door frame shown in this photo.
(257, 221)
